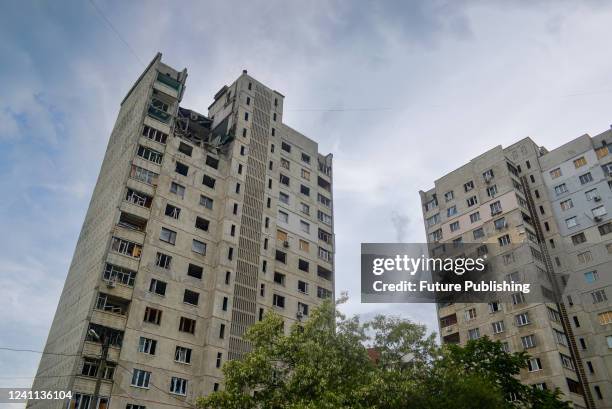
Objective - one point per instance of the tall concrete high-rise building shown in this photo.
(543, 218)
(197, 227)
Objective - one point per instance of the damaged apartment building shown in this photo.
(542, 217)
(197, 227)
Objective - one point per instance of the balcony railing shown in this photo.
(158, 114)
(169, 81)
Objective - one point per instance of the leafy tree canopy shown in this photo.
(323, 363)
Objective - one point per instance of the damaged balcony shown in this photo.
(197, 129)
(110, 311)
(132, 222)
(160, 106)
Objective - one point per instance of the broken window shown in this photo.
(133, 222)
(202, 223)
(191, 297)
(182, 355)
(144, 175)
(121, 275)
(278, 301)
(154, 134)
(126, 248)
(150, 154)
(324, 273)
(212, 162)
(152, 315)
(157, 287)
(187, 325)
(208, 181)
(109, 303)
(195, 271)
(138, 198)
(186, 149)
(172, 211)
(181, 169)
(324, 184)
(163, 260)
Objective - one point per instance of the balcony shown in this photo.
(160, 115)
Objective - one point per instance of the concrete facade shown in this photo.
(198, 225)
(572, 339)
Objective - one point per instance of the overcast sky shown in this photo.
(426, 86)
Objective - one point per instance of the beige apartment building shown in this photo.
(197, 227)
(540, 219)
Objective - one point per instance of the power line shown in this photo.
(116, 31)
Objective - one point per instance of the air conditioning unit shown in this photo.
(285, 243)
(111, 283)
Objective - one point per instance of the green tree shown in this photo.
(323, 364)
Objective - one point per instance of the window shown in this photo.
(305, 174)
(528, 341)
(578, 239)
(454, 226)
(147, 345)
(119, 274)
(283, 217)
(224, 304)
(432, 204)
(478, 233)
(181, 169)
(302, 309)
(222, 331)
(598, 392)
(177, 189)
(325, 293)
(555, 173)
(560, 189)
(599, 211)
(585, 257)
(581, 161)
(140, 378)
(518, 298)
(494, 306)
(278, 301)
(498, 327)
(605, 317)
(474, 217)
(448, 196)
(435, 235)
(138, 198)
(126, 247)
(144, 175)
(591, 276)
(230, 253)
(281, 235)
(305, 190)
(206, 201)
(283, 197)
(566, 361)
(284, 179)
(90, 367)
(583, 344)
(202, 224)
(473, 333)
(325, 201)
(560, 337)
(246, 116)
(488, 175)
(566, 204)
(496, 208)
(179, 385)
(302, 287)
(279, 278)
(468, 186)
(154, 134)
(433, 220)
(152, 315)
(195, 271)
(237, 188)
(534, 364)
(504, 240)
(219, 358)
(167, 236)
(492, 191)
(571, 222)
(191, 297)
(500, 223)
(286, 147)
(305, 158)
(198, 247)
(172, 211)
(182, 355)
(285, 163)
(303, 265)
(281, 256)
(522, 319)
(472, 201)
(470, 314)
(605, 229)
(325, 254)
(186, 149)
(187, 325)
(157, 287)
(586, 178)
(150, 154)
(599, 296)
(208, 181)
(609, 341)
(451, 211)
(324, 217)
